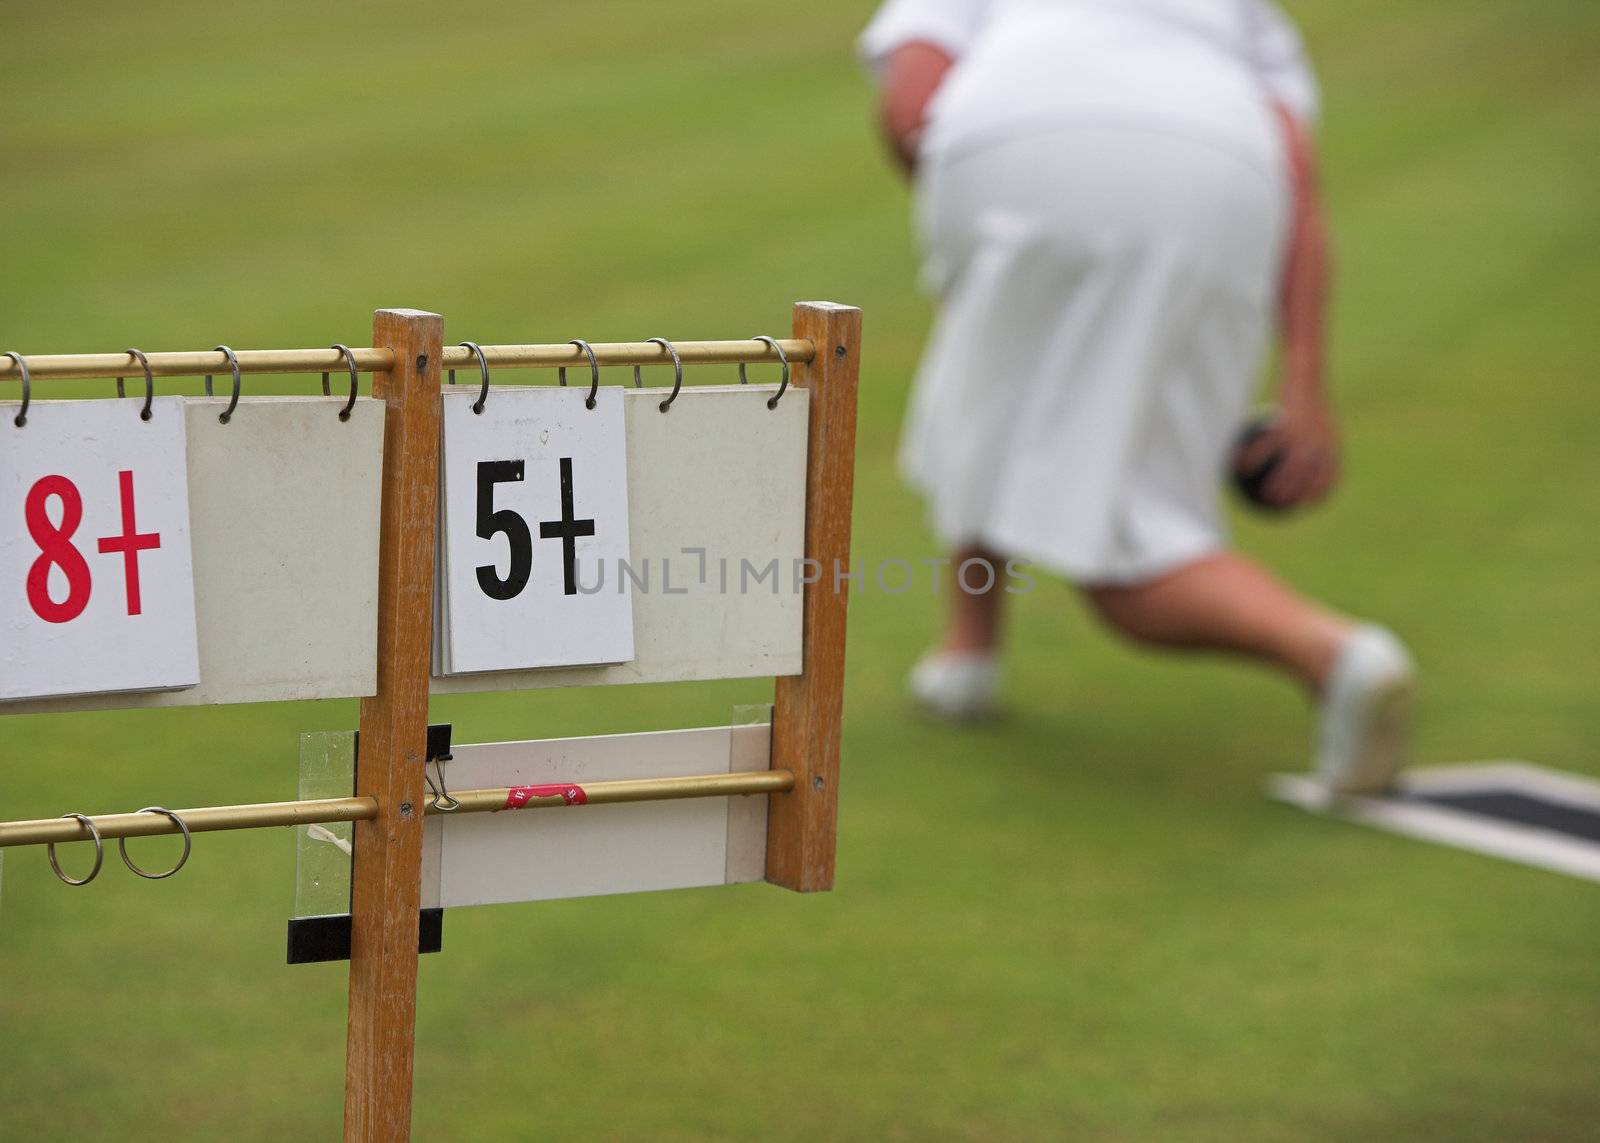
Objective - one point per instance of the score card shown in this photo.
(96, 579)
(535, 531)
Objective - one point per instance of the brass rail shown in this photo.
(54, 366)
(41, 831)
(631, 790)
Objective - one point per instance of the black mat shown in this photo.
(1521, 809)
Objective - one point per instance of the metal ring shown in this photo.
(149, 382)
(27, 388)
(594, 372)
(188, 842)
(677, 371)
(783, 385)
(99, 853)
(233, 362)
(483, 366)
(355, 380)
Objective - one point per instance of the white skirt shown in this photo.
(1105, 293)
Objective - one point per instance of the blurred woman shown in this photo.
(1117, 202)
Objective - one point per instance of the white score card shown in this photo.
(96, 580)
(534, 514)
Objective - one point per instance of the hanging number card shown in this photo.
(535, 521)
(96, 584)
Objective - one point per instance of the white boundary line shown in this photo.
(1525, 845)
(1522, 777)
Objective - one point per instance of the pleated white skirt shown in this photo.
(1106, 290)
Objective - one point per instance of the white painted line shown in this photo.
(1521, 777)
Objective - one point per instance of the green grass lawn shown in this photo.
(1086, 922)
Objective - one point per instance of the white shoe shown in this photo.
(958, 687)
(1365, 727)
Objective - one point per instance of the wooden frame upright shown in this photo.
(802, 825)
(386, 880)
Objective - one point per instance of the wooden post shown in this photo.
(387, 879)
(802, 824)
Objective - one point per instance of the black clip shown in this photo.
(438, 754)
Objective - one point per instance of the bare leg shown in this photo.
(1227, 603)
(973, 626)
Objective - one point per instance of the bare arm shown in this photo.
(1306, 433)
(911, 76)
(1304, 302)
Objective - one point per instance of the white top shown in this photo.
(1210, 64)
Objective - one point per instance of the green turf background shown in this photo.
(1084, 923)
